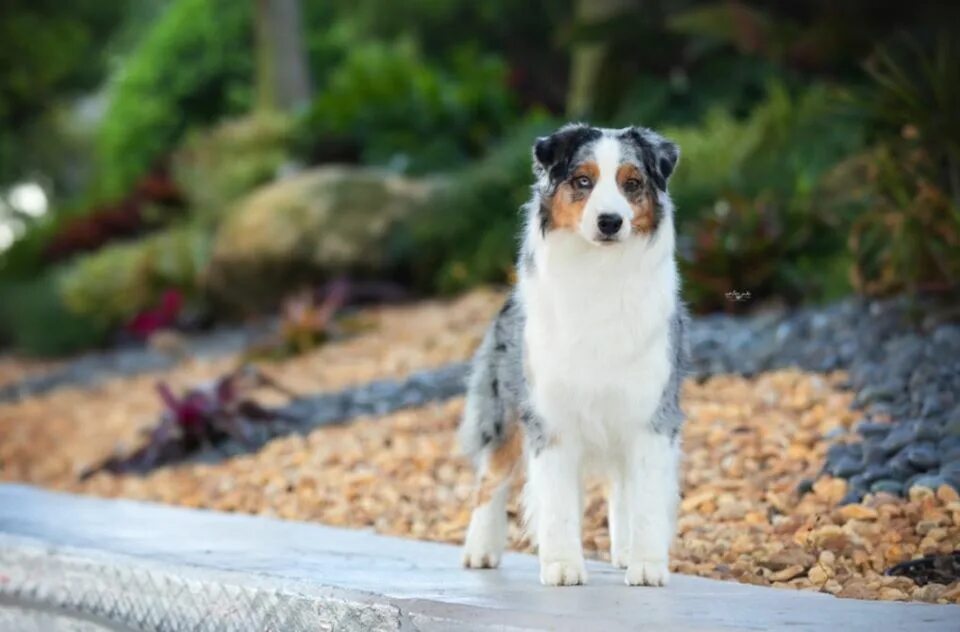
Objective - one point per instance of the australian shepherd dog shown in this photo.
(580, 371)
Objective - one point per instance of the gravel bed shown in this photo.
(903, 361)
(751, 443)
(405, 355)
(748, 442)
(92, 368)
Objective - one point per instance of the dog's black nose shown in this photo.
(609, 224)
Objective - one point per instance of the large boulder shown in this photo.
(309, 227)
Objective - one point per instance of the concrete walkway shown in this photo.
(76, 563)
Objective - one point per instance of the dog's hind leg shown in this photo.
(487, 533)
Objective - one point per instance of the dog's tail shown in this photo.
(483, 411)
(488, 406)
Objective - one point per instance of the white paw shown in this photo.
(481, 559)
(483, 549)
(648, 573)
(486, 537)
(563, 573)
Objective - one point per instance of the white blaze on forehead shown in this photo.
(606, 152)
(606, 196)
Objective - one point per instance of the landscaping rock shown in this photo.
(905, 373)
(319, 223)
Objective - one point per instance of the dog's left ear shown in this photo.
(660, 155)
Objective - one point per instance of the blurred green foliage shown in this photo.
(193, 67)
(50, 51)
(35, 320)
(467, 233)
(119, 280)
(747, 195)
(214, 167)
(403, 111)
(906, 235)
(783, 190)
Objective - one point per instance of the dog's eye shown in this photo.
(631, 185)
(582, 182)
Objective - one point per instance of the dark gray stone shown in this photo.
(928, 429)
(898, 437)
(876, 472)
(873, 429)
(887, 485)
(922, 455)
(846, 467)
(933, 481)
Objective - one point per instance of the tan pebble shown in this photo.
(934, 535)
(830, 490)
(786, 558)
(947, 494)
(896, 581)
(892, 594)
(929, 593)
(858, 512)
(918, 494)
(856, 589)
(829, 537)
(817, 575)
(926, 526)
(827, 558)
(787, 574)
(832, 586)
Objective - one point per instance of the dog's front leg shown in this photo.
(554, 495)
(652, 479)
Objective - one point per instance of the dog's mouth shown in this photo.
(607, 240)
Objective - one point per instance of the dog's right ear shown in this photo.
(544, 151)
(552, 154)
(544, 154)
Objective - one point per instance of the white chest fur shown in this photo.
(596, 334)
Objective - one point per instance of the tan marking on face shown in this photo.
(567, 203)
(641, 201)
(501, 464)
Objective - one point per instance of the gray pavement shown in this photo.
(76, 563)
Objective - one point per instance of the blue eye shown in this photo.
(582, 182)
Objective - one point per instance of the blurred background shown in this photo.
(184, 163)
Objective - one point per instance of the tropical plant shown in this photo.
(402, 111)
(907, 236)
(193, 67)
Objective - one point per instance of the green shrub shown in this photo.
(194, 66)
(35, 320)
(750, 217)
(118, 281)
(407, 113)
(908, 236)
(467, 233)
(217, 166)
(907, 189)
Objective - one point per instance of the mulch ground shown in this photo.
(748, 444)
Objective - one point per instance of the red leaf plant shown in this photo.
(163, 316)
(202, 417)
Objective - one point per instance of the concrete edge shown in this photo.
(120, 592)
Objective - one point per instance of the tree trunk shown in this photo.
(588, 55)
(283, 79)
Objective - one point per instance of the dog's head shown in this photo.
(605, 184)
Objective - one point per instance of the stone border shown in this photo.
(142, 566)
